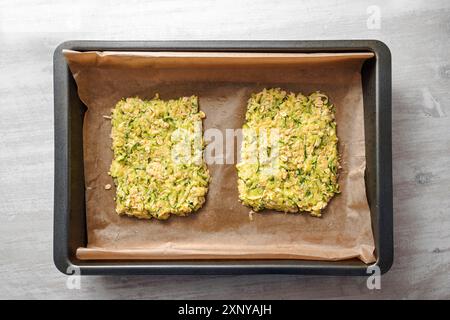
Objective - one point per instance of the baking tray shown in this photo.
(69, 201)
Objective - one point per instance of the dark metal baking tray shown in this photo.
(69, 203)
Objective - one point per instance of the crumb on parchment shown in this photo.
(250, 215)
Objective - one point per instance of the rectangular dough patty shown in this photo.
(289, 155)
(153, 174)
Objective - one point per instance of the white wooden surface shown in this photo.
(418, 34)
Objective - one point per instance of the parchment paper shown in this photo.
(222, 229)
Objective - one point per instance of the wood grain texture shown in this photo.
(418, 35)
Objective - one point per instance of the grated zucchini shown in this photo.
(289, 154)
(151, 180)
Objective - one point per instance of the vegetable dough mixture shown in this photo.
(158, 166)
(289, 156)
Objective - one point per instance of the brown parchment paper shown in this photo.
(222, 229)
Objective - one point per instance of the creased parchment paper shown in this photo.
(222, 229)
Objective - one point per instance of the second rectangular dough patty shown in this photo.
(289, 156)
